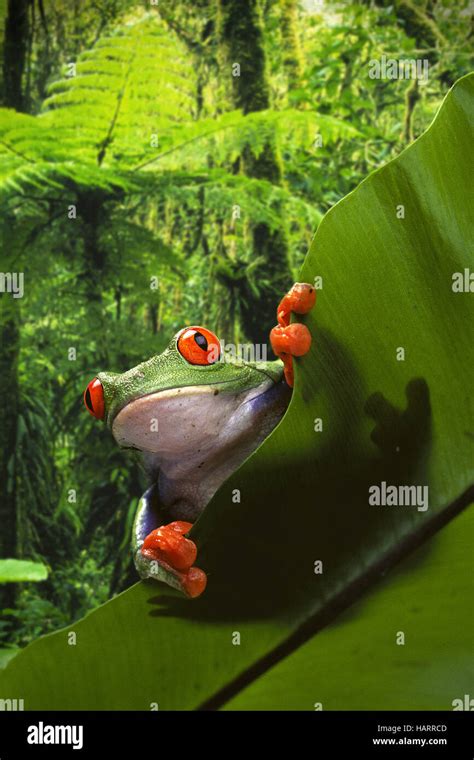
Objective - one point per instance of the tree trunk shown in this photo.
(9, 403)
(416, 23)
(241, 41)
(154, 318)
(292, 56)
(15, 49)
(14, 53)
(90, 210)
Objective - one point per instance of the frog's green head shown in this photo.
(189, 393)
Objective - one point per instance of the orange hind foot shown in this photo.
(169, 547)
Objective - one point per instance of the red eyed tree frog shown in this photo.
(195, 414)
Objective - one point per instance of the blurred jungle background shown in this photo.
(165, 163)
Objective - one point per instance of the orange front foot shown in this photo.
(169, 546)
(292, 340)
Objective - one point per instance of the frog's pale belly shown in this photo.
(193, 439)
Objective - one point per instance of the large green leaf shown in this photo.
(6, 655)
(362, 661)
(304, 496)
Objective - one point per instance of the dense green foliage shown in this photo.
(131, 190)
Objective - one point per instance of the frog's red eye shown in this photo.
(94, 399)
(199, 345)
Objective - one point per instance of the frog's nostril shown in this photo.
(94, 399)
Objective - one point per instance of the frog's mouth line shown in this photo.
(274, 379)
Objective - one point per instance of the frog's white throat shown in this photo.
(193, 438)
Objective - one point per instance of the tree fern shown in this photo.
(127, 114)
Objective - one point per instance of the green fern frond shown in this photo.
(126, 119)
(226, 136)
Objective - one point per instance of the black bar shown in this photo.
(324, 734)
